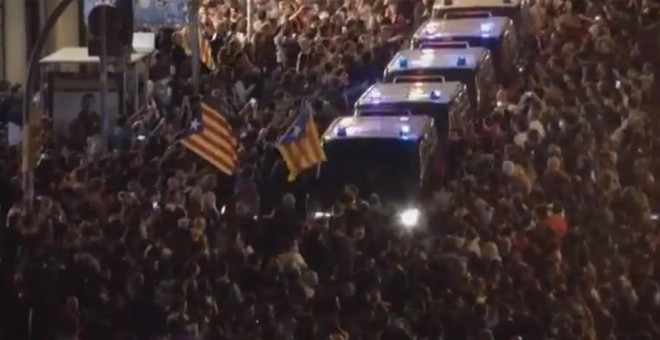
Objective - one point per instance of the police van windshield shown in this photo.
(389, 167)
(491, 42)
(476, 12)
(459, 74)
(466, 14)
(418, 78)
(438, 111)
(382, 110)
(441, 44)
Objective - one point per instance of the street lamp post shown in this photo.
(33, 67)
(193, 19)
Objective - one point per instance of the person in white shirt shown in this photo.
(291, 260)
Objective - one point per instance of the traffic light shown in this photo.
(114, 23)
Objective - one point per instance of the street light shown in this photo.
(33, 65)
(125, 6)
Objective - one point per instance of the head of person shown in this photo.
(88, 103)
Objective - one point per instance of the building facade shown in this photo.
(20, 23)
(2, 39)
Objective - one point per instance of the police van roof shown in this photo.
(476, 4)
(388, 93)
(469, 27)
(437, 59)
(400, 127)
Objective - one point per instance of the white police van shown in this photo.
(472, 66)
(447, 103)
(497, 34)
(454, 9)
(388, 155)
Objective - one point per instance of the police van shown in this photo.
(389, 155)
(454, 9)
(471, 66)
(497, 34)
(447, 103)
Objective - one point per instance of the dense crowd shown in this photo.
(551, 234)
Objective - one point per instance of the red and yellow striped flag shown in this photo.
(210, 136)
(301, 145)
(205, 51)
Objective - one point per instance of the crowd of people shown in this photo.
(548, 232)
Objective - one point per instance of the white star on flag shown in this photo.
(296, 131)
(195, 124)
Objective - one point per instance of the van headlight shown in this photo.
(317, 215)
(409, 218)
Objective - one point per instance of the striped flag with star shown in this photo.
(210, 136)
(301, 146)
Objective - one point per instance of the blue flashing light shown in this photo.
(403, 62)
(436, 94)
(405, 130)
(461, 61)
(341, 131)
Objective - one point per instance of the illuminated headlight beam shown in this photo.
(409, 218)
(321, 214)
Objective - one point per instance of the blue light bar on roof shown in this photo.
(435, 94)
(403, 62)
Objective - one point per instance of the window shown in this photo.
(486, 76)
(510, 46)
(459, 111)
(428, 147)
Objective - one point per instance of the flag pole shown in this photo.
(106, 129)
(193, 19)
(250, 17)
